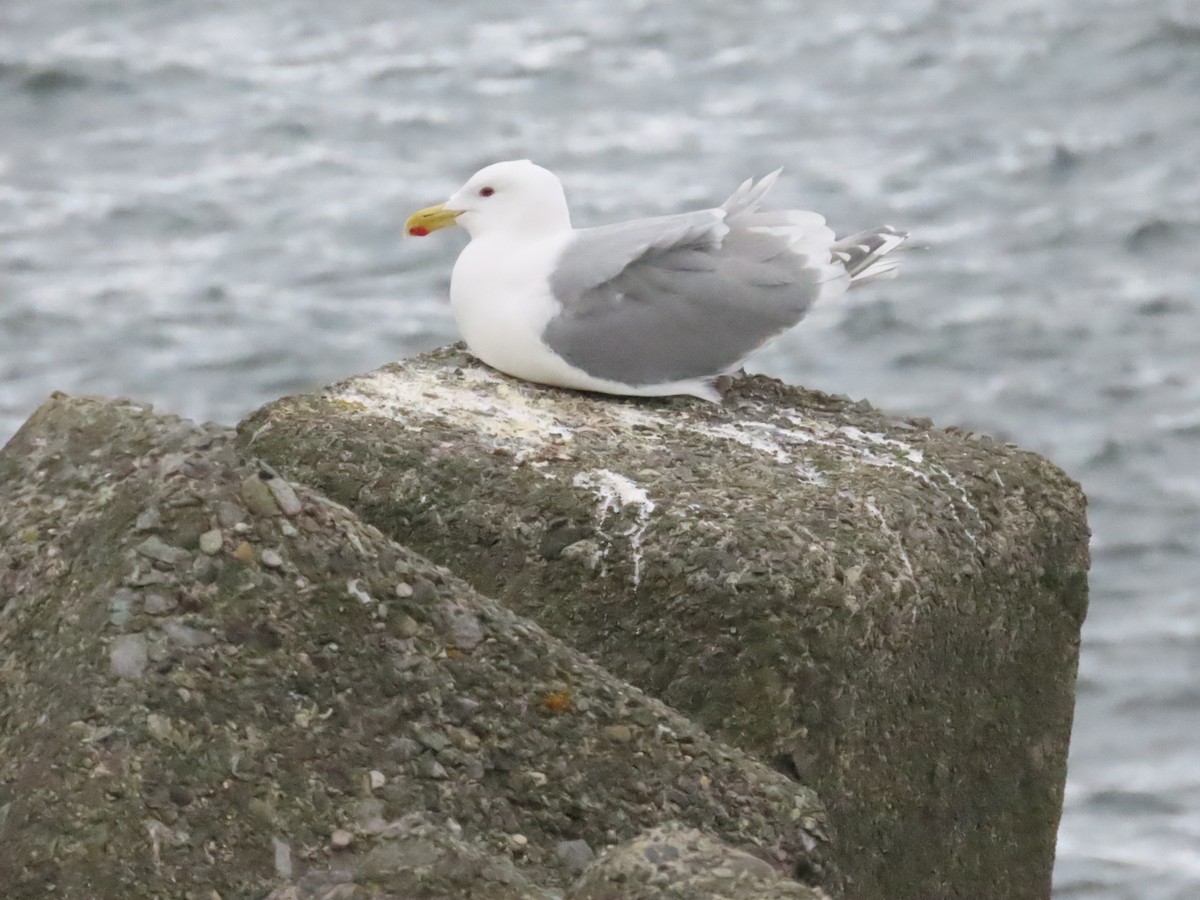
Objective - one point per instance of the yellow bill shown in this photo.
(423, 221)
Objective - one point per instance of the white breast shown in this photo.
(502, 303)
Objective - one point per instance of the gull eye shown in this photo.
(486, 192)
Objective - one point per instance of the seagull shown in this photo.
(648, 308)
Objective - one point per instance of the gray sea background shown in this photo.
(201, 206)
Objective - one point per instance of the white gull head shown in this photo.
(516, 197)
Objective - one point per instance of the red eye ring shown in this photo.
(486, 192)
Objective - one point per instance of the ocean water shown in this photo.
(201, 206)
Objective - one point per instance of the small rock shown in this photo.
(518, 842)
(405, 748)
(355, 589)
(434, 740)
(158, 550)
(588, 551)
(424, 590)
(205, 569)
(622, 734)
(244, 553)
(289, 530)
(187, 637)
(574, 855)
(377, 779)
(465, 740)
(369, 813)
(158, 604)
(643, 716)
(390, 857)
(464, 629)
(283, 858)
(211, 541)
(159, 727)
(145, 579)
(229, 514)
(120, 606)
(341, 839)
(156, 648)
(469, 706)
(259, 498)
(271, 559)
(404, 590)
(500, 871)
(285, 496)
(674, 854)
(407, 627)
(148, 520)
(852, 576)
(427, 767)
(560, 535)
(128, 656)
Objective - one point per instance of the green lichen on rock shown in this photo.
(886, 610)
(206, 687)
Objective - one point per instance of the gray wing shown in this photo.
(680, 297)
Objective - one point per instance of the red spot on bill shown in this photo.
(418, 231)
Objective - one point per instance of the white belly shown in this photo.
(502, 304)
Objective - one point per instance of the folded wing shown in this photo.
(683, 297)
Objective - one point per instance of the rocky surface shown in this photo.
(885, 610)
(671, 862)
(215, 683)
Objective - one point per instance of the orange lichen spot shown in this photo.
(557, 702)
